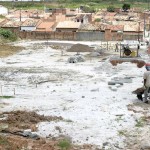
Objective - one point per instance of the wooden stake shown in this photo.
(1, 91)
(14, 91)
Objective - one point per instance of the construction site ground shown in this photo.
(45, 100)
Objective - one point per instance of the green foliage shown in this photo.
(110, 8)
(3, 141)
(7, 34)
(88, 9)
(92, 4)
(1, 16)
(126, 7)
(6, 97)
(122, 133)
(140, 122)
(97, 20)
(64, 144)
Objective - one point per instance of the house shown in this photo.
(3, 10)
(46, 26)
(133, 30)
(29, 25)
(12, 25)
(114, 32)
(89, 27)
(83, 18)
(68, 26)
(109, 16)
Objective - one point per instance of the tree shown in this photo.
(125, 7)
(88, 9)
(110, 9)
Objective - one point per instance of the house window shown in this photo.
(82, 21)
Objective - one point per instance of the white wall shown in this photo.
(28, 28)
(3, 10)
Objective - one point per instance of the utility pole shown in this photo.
(20, 14)
(144, 25)
(139, 31)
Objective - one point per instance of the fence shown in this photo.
(79, 36)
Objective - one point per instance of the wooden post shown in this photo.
(1, 91)
(14, 91)
(107, 45)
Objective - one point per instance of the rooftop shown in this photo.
(68, 24)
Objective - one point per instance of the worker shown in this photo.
(117, 47)
(146, 78)
(146, 86)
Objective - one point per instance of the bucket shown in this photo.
(133, 54)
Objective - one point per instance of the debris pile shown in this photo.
(76, 58)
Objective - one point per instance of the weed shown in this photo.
(3, 141)
(122, 133)
(6, 97)
(140, 122)
(64, 144)
(68, 120)
(119, 118)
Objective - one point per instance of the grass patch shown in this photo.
(3, 141)
(122, 133)
(140, 122)
(6, 97)
(64, 144)
(119, 118)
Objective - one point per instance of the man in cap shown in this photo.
(146, 78)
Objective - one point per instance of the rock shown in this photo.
(94, 54)
(76, 58)
(26, 133)
(145, 146)
(115, 82)
(34, 136)
(113, 88)
(95, 90)
(105, 144)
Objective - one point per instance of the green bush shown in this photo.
(88, 9)
(110, 8)
(125, 7)
(64, 144)
(7, 34)
(97, 20)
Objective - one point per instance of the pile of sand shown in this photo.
(80, 48)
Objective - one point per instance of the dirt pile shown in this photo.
(25, 120)
(7, 50)
(18, 121)
(140, 63)
(80, 48)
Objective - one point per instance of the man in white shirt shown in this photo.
(146, 78)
